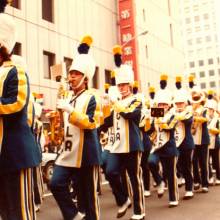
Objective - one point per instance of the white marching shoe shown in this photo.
(123, 209)
(188, 195)
(137, 217)
(205, 189)
(160, 189)
(146, 193)
(173, 204)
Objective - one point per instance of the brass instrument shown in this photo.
(197, 113)
(103, 138)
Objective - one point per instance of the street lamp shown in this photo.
(142, 33)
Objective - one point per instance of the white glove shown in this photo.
(64, 105)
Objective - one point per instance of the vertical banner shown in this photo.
(127, 34)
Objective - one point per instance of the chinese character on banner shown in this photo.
(128, 50)
(125, 14)
(126, 37)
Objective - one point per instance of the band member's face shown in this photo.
(165, 106)
(211, 111)
(124, 89)
(180, 105)
(75, 78)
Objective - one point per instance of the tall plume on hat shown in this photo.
(151, 91)
(163, 81)
(117, 52)
(191, 81)
(85, 44)
(210, 94)
(178, 82)
(135, 87)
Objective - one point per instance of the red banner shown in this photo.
(128, 33)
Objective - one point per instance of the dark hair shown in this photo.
(4, 54)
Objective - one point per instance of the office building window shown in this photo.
(211, 72)
(208, 38)
(187, 20)
(202, 74)
(146, 51)
(171, 34)
(169, 8)
(95, 79)
(17, 49)
(201, 62)
(68, 62)
(49, 60)
(210, 61)
(48, 10)
(191, 64)
(189, 42)
(206, 16)
(203, 85)
(212, 84)
(197, 28)
(108, 76)
(219, 72)
(196, 18)
(16, 4)
(207, 27)
(144, 15)
(198, 40)
(189, 30)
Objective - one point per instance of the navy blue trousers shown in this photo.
(169, 170)
(85, 181)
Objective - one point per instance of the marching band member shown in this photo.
(151, 91)
(213, 127)
(201, 140)
(19, 153)
(164, 149)
(80, 156)
(127, 143)
(183, 137)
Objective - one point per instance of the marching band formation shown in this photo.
(173, 136)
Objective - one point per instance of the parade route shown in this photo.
(202, 206)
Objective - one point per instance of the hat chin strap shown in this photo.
(80, 83)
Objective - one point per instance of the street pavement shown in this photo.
(204, 206)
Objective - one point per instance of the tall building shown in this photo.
(201, 25)
(161, 50)
(49, 32)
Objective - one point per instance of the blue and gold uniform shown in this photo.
(183, 137)
(18, 150)
(80, 154)
(201, 140)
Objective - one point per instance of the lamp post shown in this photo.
(136, 36)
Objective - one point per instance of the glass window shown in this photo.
(169, 8)
(207, 27)
(189, 42)
(189, 30)
(196, 18)
(197, 28)
(144, 15)
(203, 85)
(202, 74)
(171, 34)
(48, 10)
(16, 4)
(49, 60)
(201, 62)
(191, 64)
(95, 79)
(211, 72)
(68, 62)
(17, 49)
(108, 76)
(146, 50)
(206, 16)
(210, 61)
(212, 84)
(187, 20)
(198, 40)
(219, 72)
(208, 38)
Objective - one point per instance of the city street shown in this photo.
(202, 206)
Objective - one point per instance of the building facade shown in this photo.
(201, 23)
(49, 32)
